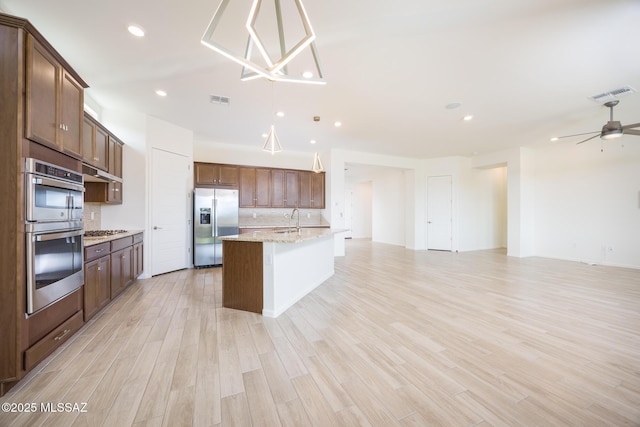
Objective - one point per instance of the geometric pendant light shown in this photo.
(256, 61)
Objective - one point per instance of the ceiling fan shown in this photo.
(611, 130)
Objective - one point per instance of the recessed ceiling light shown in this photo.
(453, 106)
(135, 30)
(307, 74)
(161, 93)
(467, 117)
(554, 139)
(313, 141)
(337, 124)
(280, 114)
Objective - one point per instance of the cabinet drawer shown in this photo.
(53, 340)
(96, 251)
(116, 245)
(138, 238)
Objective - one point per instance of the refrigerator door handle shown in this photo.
(214, 211)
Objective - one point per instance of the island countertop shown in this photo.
(305, 234)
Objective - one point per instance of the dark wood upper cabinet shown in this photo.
(72, 113)
(255, 187)
(42, 88)
(54, 102)
(115, 156)
(95, 143)
(247, 187)
(215, 175)
(263, 188)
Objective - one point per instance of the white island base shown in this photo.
(269, 272)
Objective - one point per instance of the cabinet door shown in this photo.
(263, 188)
(88, 139)
(115, 157)
(277, 188)
(227, 176)
(43, 72)
(104, 283)
(291, 189)
(114, 193)
(97, 280)
(101, 151)
(121, 270)
(72, 104)
(138, 260)
(317, 190)
(304, 181)
(204, 174)
(247, 187)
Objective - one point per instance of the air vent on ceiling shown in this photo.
(613, 94)
(217, 99)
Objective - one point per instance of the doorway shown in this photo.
(170, 204)
(439, 213)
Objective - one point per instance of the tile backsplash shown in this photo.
(92, 218)
(276, 217)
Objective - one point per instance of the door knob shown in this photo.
(155, 227)
(428, 222)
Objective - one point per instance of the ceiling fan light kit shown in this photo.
(613, 129)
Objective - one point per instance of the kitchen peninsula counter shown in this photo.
(266, 272)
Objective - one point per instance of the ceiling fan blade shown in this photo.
(635, 125)
(578, 134)
(588, 139)
(631, 132)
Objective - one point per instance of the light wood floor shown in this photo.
(396, 337)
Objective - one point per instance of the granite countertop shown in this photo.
(90, 241)
(305, 234)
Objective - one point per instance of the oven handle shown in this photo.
(35, 179)
(53, 236)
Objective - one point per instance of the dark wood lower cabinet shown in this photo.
(109, 268)
(121, 270)
(97, 285)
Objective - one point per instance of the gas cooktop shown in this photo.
(102, 233)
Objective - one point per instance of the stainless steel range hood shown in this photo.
(91, 174)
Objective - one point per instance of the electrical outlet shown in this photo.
(308, 215)
(254, 215)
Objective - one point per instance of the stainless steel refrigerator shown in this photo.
(215, 214)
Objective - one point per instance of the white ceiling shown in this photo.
(523, 68)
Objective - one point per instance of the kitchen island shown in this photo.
(267, 272)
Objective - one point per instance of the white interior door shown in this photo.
(439, 212)
(169, 212)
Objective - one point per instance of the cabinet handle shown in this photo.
(99, 250)
(59, 337)
(99, 268)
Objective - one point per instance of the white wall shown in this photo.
(362, 210)
(483, 205)
(388, 216)
(212, 152)
(588, 202)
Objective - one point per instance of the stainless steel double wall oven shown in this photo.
(53, 229)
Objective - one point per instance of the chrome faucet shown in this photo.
(291, 216)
